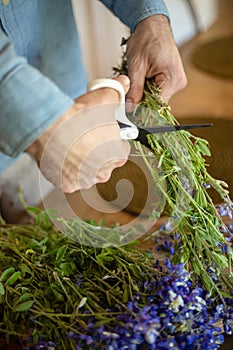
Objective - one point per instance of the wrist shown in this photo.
(156, 21)
(37, 147)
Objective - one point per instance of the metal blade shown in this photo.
(142, 137)
(170, 128)
(143, 132)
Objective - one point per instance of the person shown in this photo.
(43, 85)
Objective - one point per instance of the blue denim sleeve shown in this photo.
(29, 102)
(131, 12)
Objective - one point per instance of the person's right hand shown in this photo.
(83, 146)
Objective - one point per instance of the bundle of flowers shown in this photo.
(58, 293)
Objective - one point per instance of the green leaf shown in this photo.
(103, 322)
(6, 273)
(131, 244)
(196, 267)
(207, 280)
(33, 209)
(198, 240)
(25, 269)
(61, 252)
(185, 255)
(125, 296)
(203, 147)
(2, 255)
(41, 243)
(23, 306)
(103, 257)
(2, 289)
(135, 271)
(67, 268)
(11, 280)
(201, 198)
(35, 335)
(220, 259)
(58, 296)
(23, 298)
(30, 251)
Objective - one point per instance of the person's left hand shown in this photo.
(152, 52)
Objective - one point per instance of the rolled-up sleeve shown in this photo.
(131, 12)
(29, 102)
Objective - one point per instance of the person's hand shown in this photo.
(152, 52)
(83, 146)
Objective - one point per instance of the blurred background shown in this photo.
(209, 94)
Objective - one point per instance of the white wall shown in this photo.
(207, 11)
(101, 34)
(182, 21)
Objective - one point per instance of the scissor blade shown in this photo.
(143, 132)
(142, 137)
(170, 128)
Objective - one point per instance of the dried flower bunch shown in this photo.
(195, 223)
(56, 293)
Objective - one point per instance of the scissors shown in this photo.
(128, 130)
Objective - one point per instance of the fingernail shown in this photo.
(129, 105)
(119, 162)
(103, 177)
(125, 80)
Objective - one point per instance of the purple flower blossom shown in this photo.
(206, 185)
(225, 210)
(226, 249)
(175, 316)
(165, 313)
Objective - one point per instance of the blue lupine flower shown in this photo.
(206, 185)
(225, 210)
(175, 316)
(226, 249)
(165, 313)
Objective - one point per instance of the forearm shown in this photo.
(29, 102)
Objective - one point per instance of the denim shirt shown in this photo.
(41, 67)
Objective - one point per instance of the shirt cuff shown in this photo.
(132, 12)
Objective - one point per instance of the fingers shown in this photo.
(92, 158)
(103, 95)
(125, 82)
(170, 84)
(112, 95)
(152, 52)
(84, 146)
(105, 172)
(163, 82)
(167, 82)
(82, 181)
(114, 153)
(137, 80)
